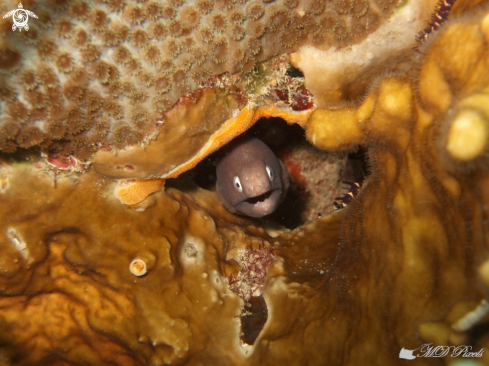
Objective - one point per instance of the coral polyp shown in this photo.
(115, 41)
(138, 267)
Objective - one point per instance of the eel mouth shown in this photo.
(260, 198)
(261, 205)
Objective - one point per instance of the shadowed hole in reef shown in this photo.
(320, 181)
(253, 319)
(294, 73)
(477, 334)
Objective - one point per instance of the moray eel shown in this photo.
(251, 180)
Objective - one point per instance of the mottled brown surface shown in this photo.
(72, 297)
(94, 73)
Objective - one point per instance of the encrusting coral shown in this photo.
(165, 158)
(88, 74)
(424, 206)
(404, 264)
(84, 280)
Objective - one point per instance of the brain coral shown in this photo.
(88, 74)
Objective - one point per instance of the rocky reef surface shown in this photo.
(90, 74)
(108, 260)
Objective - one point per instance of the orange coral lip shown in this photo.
(132, 192)
(235, 127)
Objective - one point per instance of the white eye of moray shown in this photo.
(270, 173)
(237, 184)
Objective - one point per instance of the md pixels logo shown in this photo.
(20, 17)
(427, 350)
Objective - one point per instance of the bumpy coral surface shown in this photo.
(404, 264)
(88, 74)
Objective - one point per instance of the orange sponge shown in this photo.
(135, 191)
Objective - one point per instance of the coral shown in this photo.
(205, 6)
(404, 263)
(219, 128)
(421, 134)
(159, 31)
(255, 10)
(315, 179)
(132, 192)
(250, 279)
(335, 77)
(138, 267)
(190, 17)
(149, 36)
(30, 136)
(66, 308)
(140, 38)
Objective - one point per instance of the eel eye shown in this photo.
(270, 173)
(237, 184)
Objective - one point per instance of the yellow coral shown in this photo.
(468, 135)
(404, 264)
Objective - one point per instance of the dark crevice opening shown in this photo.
(294, 73)
(21, 155)
(253, 319)
(321, 182)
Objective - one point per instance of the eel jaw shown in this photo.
(261, 205)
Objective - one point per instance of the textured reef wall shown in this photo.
(89, 74)
(86, 280)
